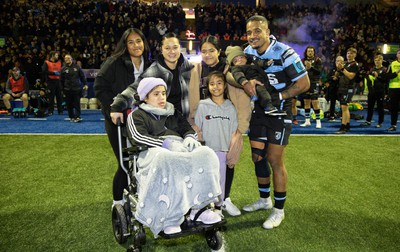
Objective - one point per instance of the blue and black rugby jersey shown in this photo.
(286, 68)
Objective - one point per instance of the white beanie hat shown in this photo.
(147, 84)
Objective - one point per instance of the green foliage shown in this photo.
(56, 196)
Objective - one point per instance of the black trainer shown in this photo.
(278, 113)
(270, 110)
(78, 119)
(392, 128)
(366, 123)
(342, 130)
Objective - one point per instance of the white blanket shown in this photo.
(171, 183)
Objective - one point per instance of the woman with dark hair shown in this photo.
(173, 68)
(213, 60)
(126, 64)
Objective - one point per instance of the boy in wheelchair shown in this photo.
(176, 174)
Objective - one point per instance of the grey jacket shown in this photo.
(127, 98)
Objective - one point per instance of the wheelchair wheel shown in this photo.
(214, 239)
(120, 224)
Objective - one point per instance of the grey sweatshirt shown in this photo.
(217, 122)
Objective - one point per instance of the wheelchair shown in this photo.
(128, 231)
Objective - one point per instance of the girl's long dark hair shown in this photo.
(122, 47)
(212, 40)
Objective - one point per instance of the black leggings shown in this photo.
(394, 94)
(378, 99)
(120, 178)
(55, 91)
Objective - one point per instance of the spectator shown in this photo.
(127, 63)
(185, 163)
(170, 66)
(213, 60)
(217, 120)
(32, 71)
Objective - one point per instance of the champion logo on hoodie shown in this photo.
(210, 117)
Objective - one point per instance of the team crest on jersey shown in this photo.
(298, 65)
(278, 135)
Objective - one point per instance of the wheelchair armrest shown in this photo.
(135, 149)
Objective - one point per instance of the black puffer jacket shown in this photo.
(115, 75)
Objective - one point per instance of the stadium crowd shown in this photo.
(88, 29)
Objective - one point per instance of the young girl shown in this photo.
(176, 173)
(217, 119)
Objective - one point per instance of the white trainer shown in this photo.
(274, 219)
(261, 203)
(230, 208)
(318, 125)
(306, 123)
(207, 217)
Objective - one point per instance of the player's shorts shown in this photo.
(273, 129)
(312, 93)
(310, 96)
(345, 97)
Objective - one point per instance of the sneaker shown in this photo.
(378, 125)
(261, 203)
(50, 113)
(295, 122)
(307, 123)
(331, 119)
(278, 113)
(78, 119)
(274, 219)
(230, 208)
(219, 212)
(207, 217)
(318, 124)
(269, 110)
(341, 131)
(172, 230)
(392, 128)
(366, 123)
